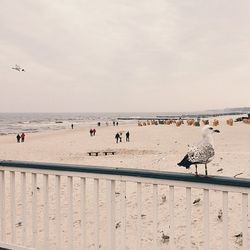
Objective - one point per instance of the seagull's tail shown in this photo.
(185, 162)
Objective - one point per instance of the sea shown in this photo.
(12, 123)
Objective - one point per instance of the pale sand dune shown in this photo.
(151, 147)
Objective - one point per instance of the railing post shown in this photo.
(206, 218)
(96, 197)
(225, 220)
(123, 214)
(111, 213)
(46, 211)
(23, 184)
(34, 209)
(188, 218)
(171, 214)
(83, 215)
(139, 211)
(70, 211)
(245, 221)
(13, 206)
(155, 216)
(2, 205)
(58, 212)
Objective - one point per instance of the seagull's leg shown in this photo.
(196, 173)
(206, 169)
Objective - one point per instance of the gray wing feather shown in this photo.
(201, 154)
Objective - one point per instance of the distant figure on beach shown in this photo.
(120, 134)
(72, 125)
(94, 131)
(91, 132)
(22, 137)
(18, 137)
(116, 123)
(127, 136)
(98, 124)
(117, 137)
(113, 123)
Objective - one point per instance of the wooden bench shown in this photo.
(97, 153)
(109, 152)
(93, 153)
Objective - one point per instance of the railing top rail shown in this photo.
(132, 172)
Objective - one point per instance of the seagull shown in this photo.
(18, 68)
(203, 152)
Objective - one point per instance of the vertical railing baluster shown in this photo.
(83, 213)
(171, 214)
(24, 201)
(13, 206)
(123, 215)
(188, 218)
(46, 211)
(245, 221)
(58, 212)
(225, 219)
(2, 205)
(70, 211)
(206, 218)
(139, 212)
(111, 213)
(96, 197)
(34, 209)
(155, 216)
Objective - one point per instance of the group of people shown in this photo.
(20, 137)
(92, 132)
(118, 137)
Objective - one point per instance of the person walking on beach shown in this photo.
(117, 137)
(22, 137)
(94, 131)
(18, 137)
(120, 136)
(91, 132)
(72, 125)
(127, 136)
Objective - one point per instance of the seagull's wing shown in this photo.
(203, 153)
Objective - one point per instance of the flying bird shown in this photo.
(18, 68)
(203, 152)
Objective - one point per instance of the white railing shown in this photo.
(59, 206)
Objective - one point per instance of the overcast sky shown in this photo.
(124, 55)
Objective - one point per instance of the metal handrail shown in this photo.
(132, 172)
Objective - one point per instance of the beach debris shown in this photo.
(164, 237)
(18, 68)
(19, 224)
(196, 201)
(163, 198)
(238, 235)
(220, 214)
(202, 153)
(220, 170)
(143, 216)
(38, 188)
(118, 224)
(239, 239)
(117, 193)
(237, 175)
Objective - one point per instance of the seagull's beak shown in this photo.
(216, 131)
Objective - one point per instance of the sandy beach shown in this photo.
(150, 147)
